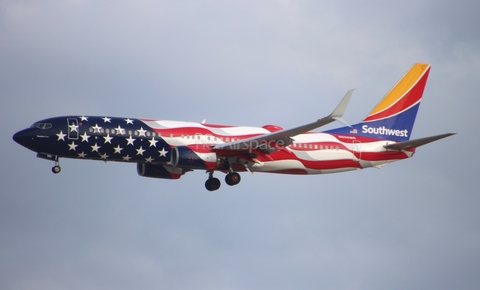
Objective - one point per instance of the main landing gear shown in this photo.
(233, 178)
(212, 183)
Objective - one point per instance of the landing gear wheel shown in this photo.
(212, 184)
(56, 169)
(233, 178)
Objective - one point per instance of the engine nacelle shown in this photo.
(183, 156)
(158, 171)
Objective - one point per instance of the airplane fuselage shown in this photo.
(183, 146)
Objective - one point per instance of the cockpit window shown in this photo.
(42, 126)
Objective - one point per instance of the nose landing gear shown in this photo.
(56, 169)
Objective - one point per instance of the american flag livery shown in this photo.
(168, 149)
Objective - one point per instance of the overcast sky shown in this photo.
(414, 224)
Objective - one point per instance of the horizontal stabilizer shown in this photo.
(416, 142)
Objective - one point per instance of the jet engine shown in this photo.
(158, 171)
(184, 157)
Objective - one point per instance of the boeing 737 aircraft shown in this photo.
(169, 149)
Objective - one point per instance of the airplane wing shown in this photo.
(416, 142)
(284, 137)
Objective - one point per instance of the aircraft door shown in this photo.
(73, 128)
(356, 150)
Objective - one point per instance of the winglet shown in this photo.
(342, 106)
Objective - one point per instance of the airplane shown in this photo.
(169, 149)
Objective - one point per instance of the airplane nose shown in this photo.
(22, 137)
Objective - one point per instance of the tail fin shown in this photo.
(394, 116)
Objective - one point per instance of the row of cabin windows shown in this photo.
(208, 138)
(313, 146)
(213, 138)
(154, 134)
(129, 132)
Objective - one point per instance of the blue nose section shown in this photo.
(34, 139)
(23, 137)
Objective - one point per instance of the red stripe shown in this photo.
(386, 155)
(330, 164)
(290, 171)
(408, 100)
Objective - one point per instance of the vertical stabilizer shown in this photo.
(393, 117)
